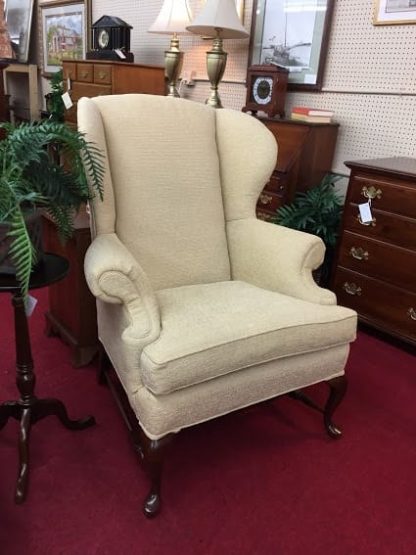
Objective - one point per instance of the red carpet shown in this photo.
(264, 481)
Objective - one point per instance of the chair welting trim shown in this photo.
(202, 308)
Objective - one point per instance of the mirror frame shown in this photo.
(303, 87)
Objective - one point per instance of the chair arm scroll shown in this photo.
(277, 258)
(114, 276)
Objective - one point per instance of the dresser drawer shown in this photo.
(386, 227)
(102, 74)
(69, 71)
(388, 195)
(379, 260)
(385, 306)
(85, 73)
(265, 216)
(269, 202)
(278, 184)
(83, 89)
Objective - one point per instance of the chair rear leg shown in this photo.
(338, 388)
(154, 451)
(103, 365)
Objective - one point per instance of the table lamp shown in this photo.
(218, 19)
(173, 18)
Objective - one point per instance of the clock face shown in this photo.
(103, 38)
(262, 90)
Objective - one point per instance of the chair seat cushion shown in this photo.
(209, 330)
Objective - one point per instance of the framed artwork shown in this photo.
(64, 29)
(394, 12)
(292, 34)
(19, 23)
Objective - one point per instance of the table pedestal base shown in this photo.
(28, 409)
(29, 413)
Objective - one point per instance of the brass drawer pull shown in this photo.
(85, 74)
(412, 313)
(102, 74)
(359, 253)
(371, 192)
(372, 223)
(352, 289)
(265, 199)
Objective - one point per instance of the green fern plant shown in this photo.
(33, 177)
(317, 211)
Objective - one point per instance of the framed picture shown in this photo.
(64, 32)
(394, 12)
(19, 23)
(292, 34)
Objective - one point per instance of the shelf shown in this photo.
(31, 70)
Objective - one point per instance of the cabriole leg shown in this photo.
(338, 388)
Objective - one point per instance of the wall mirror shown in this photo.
(293, 34)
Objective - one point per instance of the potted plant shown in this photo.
(33, 178)
(317, 211)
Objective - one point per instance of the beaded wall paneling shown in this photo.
(367, 58)
(369, 80)
(371, 126)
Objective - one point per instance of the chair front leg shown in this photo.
(338, 388)
(154, 451)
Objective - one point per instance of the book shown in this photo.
(312, 111)
(310, 119)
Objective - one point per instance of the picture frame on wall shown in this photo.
(394, 12)
(293, 35)
(19, 23)
(64, 32)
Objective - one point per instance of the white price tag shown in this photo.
(365, 212)
(67, 101)
(120, 53)
(30, 304)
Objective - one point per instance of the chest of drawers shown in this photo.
(95, 78)
(375, 271)
(305, 155)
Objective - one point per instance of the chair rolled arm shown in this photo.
(114, 276)
(277, 258)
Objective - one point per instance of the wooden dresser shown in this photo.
(305, 155)
(375, 271)
(96, 78)
(72, 311)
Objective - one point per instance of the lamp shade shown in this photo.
(218, 18)
(173, 17)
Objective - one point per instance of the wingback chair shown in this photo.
(202, 308)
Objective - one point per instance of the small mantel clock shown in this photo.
(110, 40)
(266, 89)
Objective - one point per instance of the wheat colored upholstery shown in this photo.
(202, 309)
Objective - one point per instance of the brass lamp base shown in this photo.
(216, 62)
(173, 65)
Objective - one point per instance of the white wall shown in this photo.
(370, 76)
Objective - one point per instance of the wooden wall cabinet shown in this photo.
(305, 155)
(376, 262)
(72, 310)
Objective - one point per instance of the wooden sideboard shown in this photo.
(72, 311)
(305, 155)
(96, 78)
(376, 262)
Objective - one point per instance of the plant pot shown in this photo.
(34, 226)
(322, 275)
